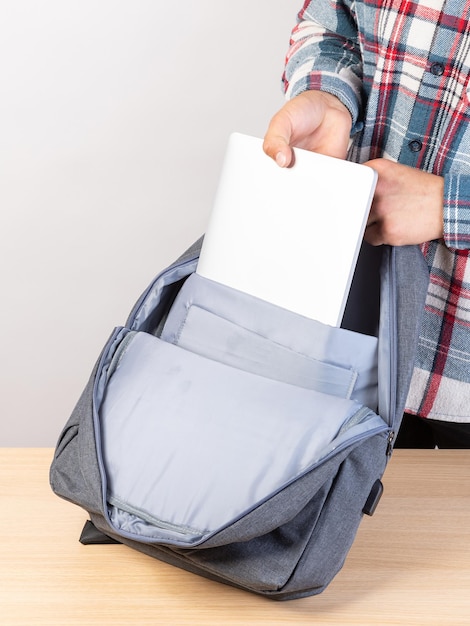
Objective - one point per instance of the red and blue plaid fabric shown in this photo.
(403, 70)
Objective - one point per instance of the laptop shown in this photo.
(288, 236)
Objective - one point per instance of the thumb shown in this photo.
(277, 140)
(278, 149)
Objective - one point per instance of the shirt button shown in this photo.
(437, 69)
(415, 145)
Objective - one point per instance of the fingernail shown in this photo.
(281, 159)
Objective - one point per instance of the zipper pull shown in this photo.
(391, 436)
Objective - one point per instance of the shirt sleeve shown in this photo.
(324, 54)
(457, 211)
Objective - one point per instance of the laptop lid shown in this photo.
(288, 236)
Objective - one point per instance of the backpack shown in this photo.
(238, 440)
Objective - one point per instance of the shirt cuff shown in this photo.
(340, 86)
(457, 211)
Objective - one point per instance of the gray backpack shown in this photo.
(238, 440)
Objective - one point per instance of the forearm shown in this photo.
(457, 211)
(324, 55)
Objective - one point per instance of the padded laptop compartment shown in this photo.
(237, 329)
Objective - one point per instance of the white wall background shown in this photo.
(114, 117)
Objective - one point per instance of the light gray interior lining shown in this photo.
(237, 329)
(152, 306)
(170, 417)
(211, 336)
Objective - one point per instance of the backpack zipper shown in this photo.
(391, 436)
(393, 349)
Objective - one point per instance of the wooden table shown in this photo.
(410, 563)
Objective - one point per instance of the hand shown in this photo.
(407, 206)
(313, 120)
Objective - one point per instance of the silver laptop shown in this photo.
(288, 236)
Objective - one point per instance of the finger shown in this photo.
(277, 140)
(373, 234)
(278, 149)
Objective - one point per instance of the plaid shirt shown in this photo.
(403, 70)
